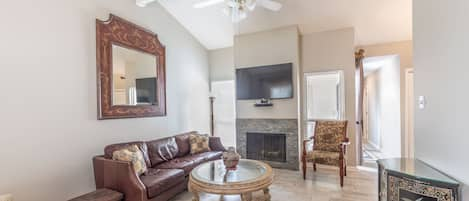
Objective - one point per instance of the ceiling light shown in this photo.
(143, 3)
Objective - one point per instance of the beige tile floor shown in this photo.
(323, 185)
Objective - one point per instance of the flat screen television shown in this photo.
(270, 82)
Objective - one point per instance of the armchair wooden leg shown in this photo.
(345, 169)
(303, 161)
(314, 167)
(342, 171)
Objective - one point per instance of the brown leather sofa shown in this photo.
(169, 164)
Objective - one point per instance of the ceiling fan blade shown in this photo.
(207, 3)
(270, 4)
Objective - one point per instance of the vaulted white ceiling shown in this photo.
(375, 21)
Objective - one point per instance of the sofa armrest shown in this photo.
(119, 176)
(215, 144)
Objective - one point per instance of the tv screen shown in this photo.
(271, 82)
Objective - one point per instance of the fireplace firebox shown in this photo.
(266, 147)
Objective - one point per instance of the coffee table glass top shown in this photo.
(214, 172)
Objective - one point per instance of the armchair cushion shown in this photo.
(324, 157)
(329, 135)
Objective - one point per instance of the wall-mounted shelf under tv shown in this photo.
(263, 104)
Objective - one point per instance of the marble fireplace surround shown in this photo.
(289, 127)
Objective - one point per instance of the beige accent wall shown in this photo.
(441, 76)
(330, 51)
(49, 130)
(403, 49)
(267, 48)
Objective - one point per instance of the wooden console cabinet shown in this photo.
(402, 179)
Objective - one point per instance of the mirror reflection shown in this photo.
(134, 77)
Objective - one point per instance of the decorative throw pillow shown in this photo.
(199, 143)
(134, 155)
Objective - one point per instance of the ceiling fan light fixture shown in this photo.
(207, 3)
(143, 3)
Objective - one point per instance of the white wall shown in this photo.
(441, 75)
(265, 48)
(222, 64)
(384, 107)
(49, 131)
(329, 51)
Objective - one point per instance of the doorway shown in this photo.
(324, 98)
(381, 108)
(224, 111)
(409, 113)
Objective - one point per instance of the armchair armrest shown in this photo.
(305, 143)
(343, 145)
(119, 176)
(346, 142)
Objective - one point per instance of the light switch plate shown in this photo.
(422, 102)
(6, 197)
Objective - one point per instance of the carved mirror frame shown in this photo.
(117, 31)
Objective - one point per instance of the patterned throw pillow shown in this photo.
(134, 155)
(199, 143)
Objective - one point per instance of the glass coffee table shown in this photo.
(249, 176)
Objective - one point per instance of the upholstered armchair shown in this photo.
(329, 147)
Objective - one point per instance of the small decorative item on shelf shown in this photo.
(263, 103)
(231, 158)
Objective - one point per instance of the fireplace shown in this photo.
(275, 141)
(266, 147)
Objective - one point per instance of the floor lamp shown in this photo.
(212, 123)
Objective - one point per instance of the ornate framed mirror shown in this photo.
(131, 70)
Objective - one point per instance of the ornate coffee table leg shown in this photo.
(267, 194)
(196, 196)
(246, 196)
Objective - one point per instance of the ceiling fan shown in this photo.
(238, 9)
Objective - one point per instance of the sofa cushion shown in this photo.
(215, 144)
(110, 149)
(199, 144)
(159, 180)
(134, 155)
(206, 156)
(182, 140)
(162, 150)
(187, 163)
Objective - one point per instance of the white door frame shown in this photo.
(409, 143)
